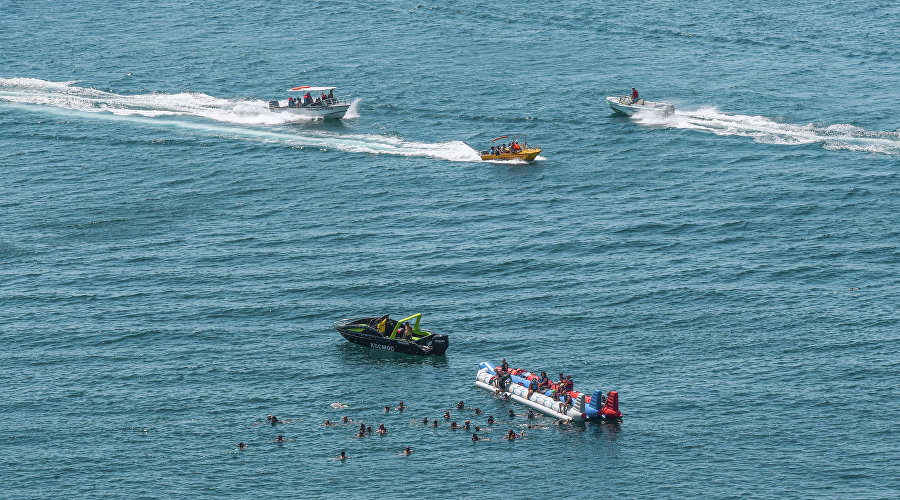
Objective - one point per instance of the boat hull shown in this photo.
(524, 155)
(330, 112)
(621, 105)
(360, 333)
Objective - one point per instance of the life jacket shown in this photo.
(382, 325)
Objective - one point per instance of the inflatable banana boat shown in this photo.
(516, 383)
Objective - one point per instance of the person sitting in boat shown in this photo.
(290, 102)
(493, 151)
(634, 95)
(515, 147)
(407, 331)
(569, 384)
(331, 94)
(307, 99)
(532, 386)
(324, 97)
(544, 381)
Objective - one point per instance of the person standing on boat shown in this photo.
(634, 95)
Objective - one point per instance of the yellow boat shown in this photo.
(524, 154)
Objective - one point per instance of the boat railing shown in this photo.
(334, 101)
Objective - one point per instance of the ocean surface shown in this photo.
(173, 254)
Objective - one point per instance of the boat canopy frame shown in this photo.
(307, 88)
(417, 317)
(513, 138)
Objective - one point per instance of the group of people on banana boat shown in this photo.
(560, 391)
(307, 100)
(513, 147)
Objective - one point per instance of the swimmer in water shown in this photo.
(467, 425)
(512, 414)
(478, 428)
(387, 409)
(327, 423)
(408, 451)
(242, 446)
(280, 439)
(490, 419)
(381, 429)
(478, 411)
(474, 437)
(368, 429)
(447, 414)
(530, 414)
(511, 435)
(401, 406)
(460, 405)
(361, 434)
(434, 423)
(453, 425)
(346, 420)
(362, 427)
(425, 420)
(342, 456)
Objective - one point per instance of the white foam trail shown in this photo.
(353, 110)
(768, 131)
(237, 114)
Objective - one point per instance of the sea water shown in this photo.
(173, 254)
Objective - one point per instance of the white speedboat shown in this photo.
(315, 102)
(627, 106)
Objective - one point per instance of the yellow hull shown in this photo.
(524, 155)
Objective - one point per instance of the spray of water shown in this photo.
(768, 131)
(234, 118)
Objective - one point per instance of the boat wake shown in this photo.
(768, 131)
(247, 119)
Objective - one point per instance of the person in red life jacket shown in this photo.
(324, 97)
(634, 95)
(569, 384)
(307, 99)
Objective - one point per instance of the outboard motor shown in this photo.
(439, 343)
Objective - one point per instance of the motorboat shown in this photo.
(628, 106)
(517, 150)
(314, 102)
(386, 334)
(551, 401)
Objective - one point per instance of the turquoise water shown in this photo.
(173, 254)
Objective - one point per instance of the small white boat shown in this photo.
(627, 106)
(315, 102)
